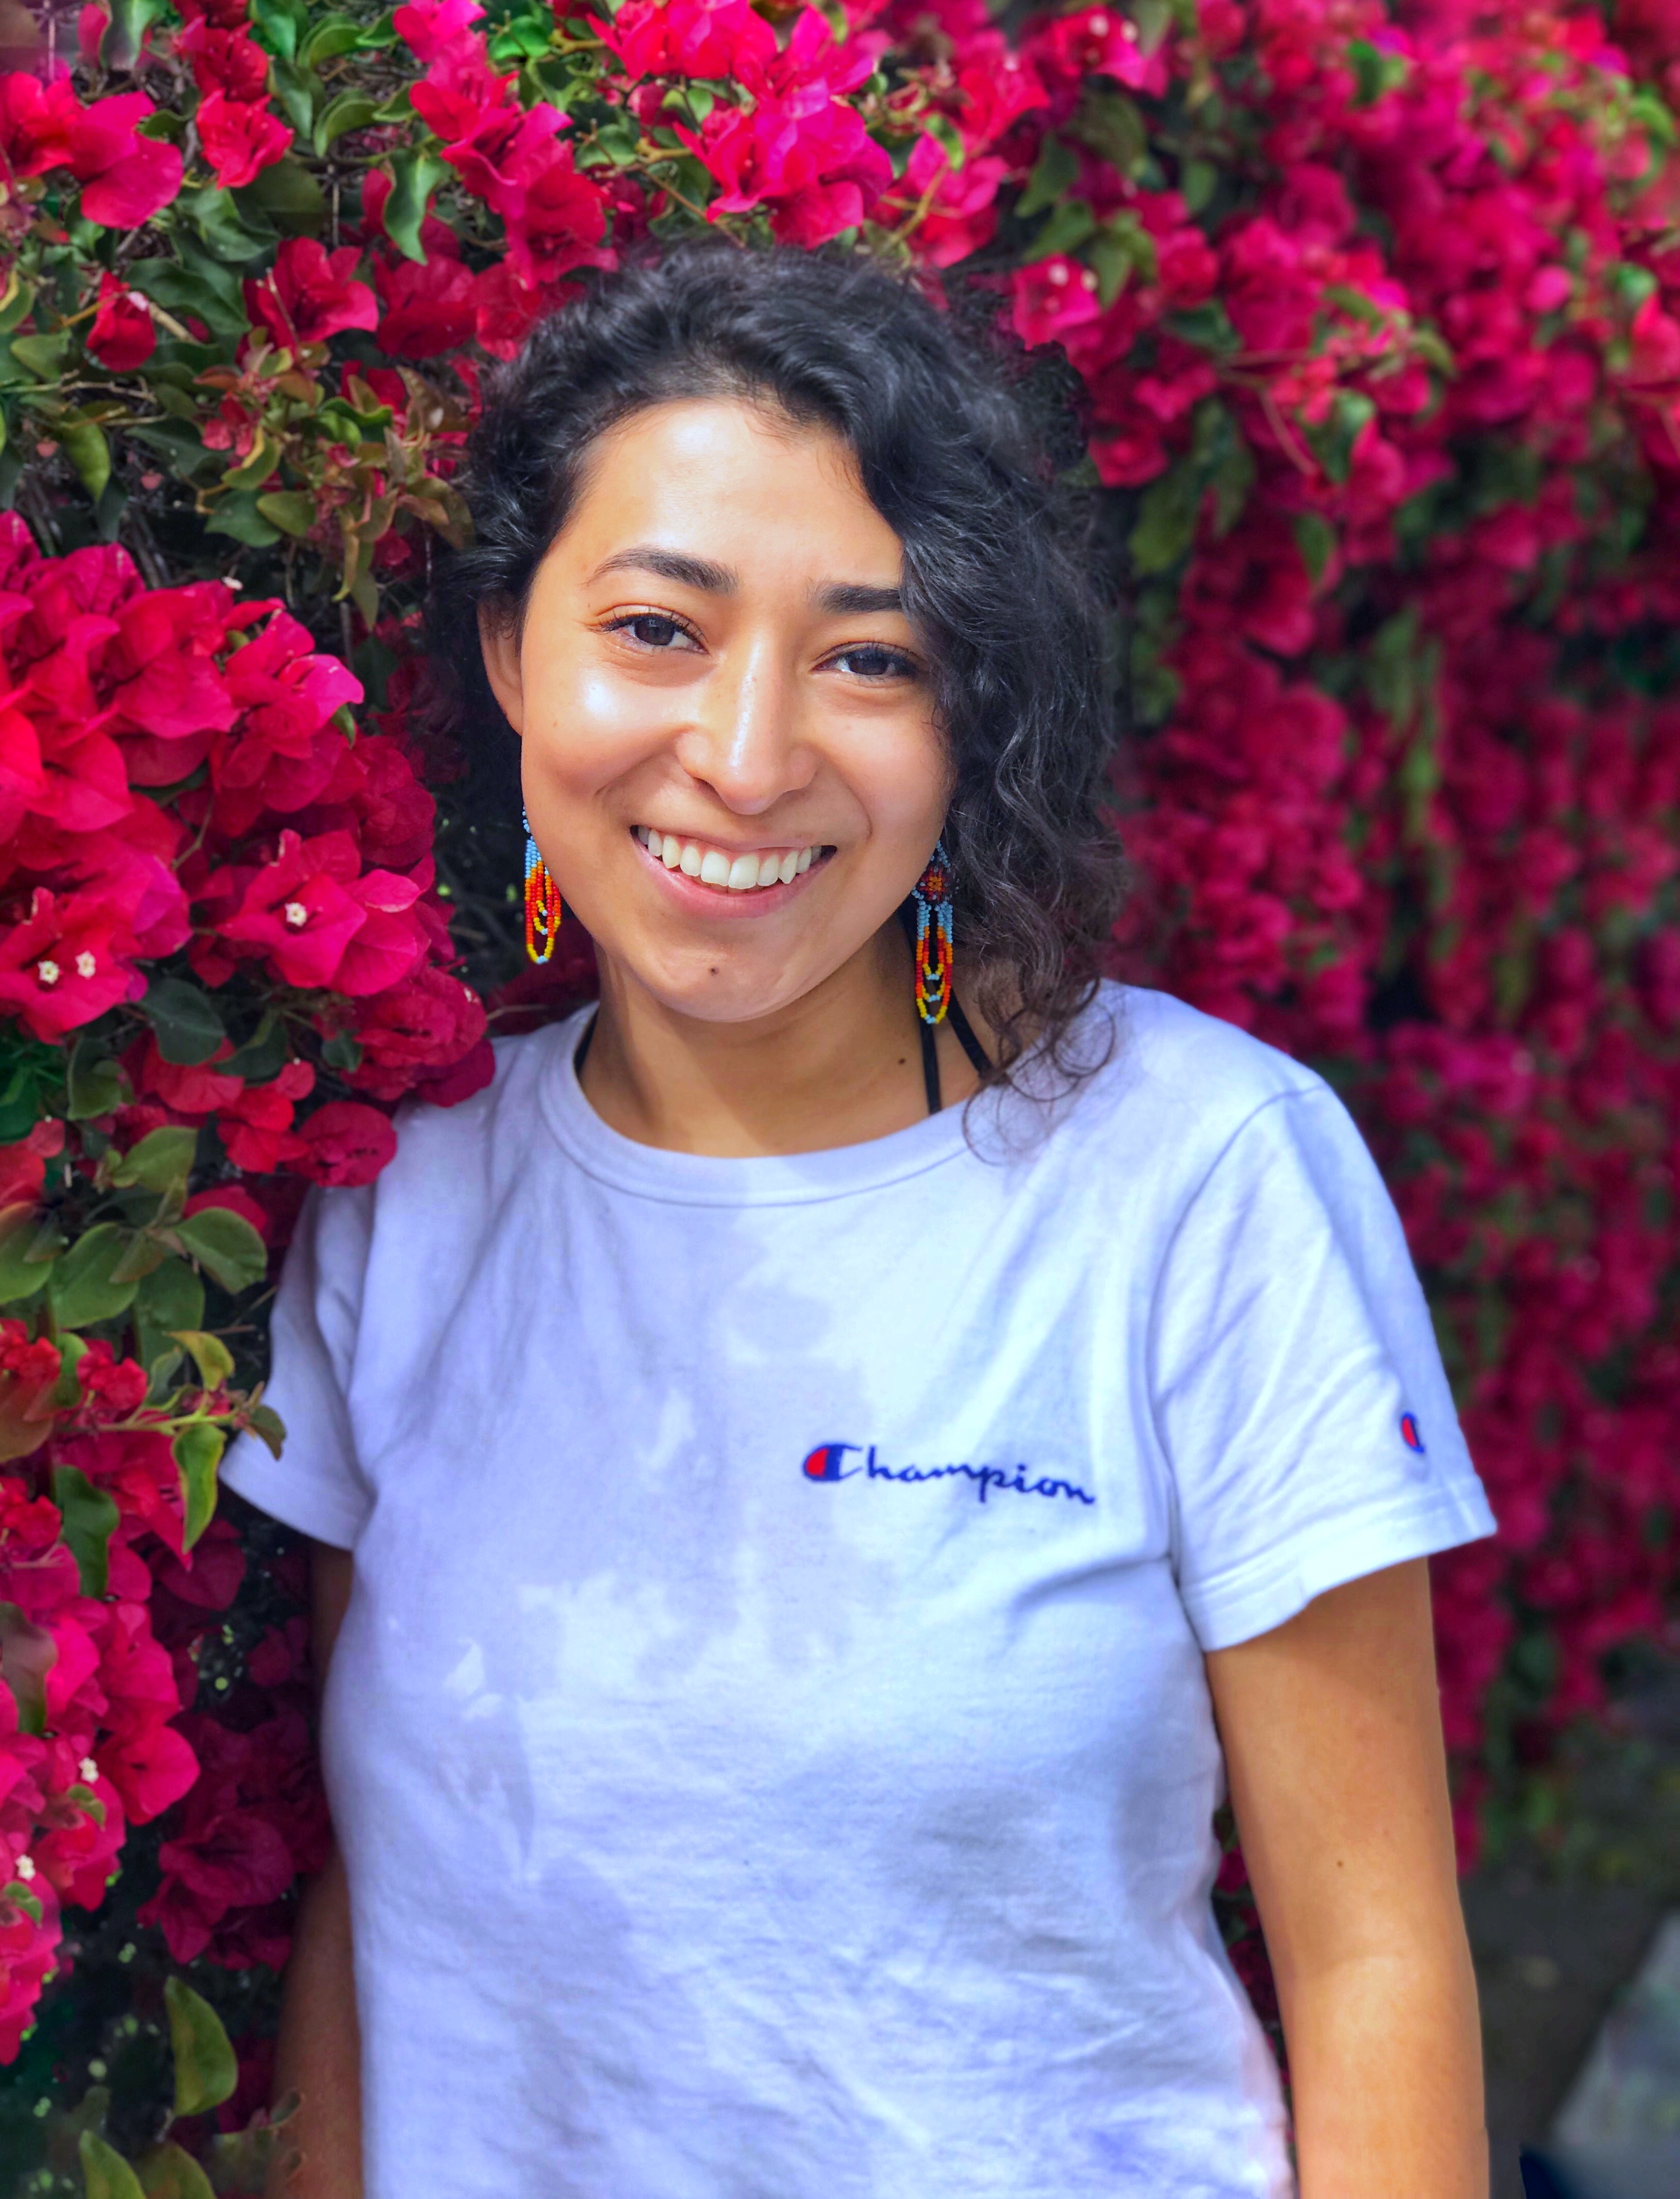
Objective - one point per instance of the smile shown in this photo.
(749, 872)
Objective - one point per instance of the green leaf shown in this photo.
(82, 1290)
(206, 2071)
(19, 1897)
(144, 1251)
(1197, 180)
(237, 517)
(1316, 540)
(125, 33)
(231, 230)
(167, 2173)
(280, 26)
(297, 88)
(267, 1423)
(171, 1296)
(89, 453)
(90, 1517)
(20, 1277)
(95, 1083)
(1068, 226)
(414, 177)
(291, 509)
(197, 1451)
(328, 40)
(251, 472)
(19, 297)
(1209, 327)
(214, 298)
(226, 1246)
(183, 1020)
(105, 2174)
(28, 1654)
(42, 356)
(1111, 125)
(342, 1052)
(264, 1054)
(211, 1357)
(288, 196)
(1053, 172)
(1166, 523)
(350, 110)
(162, 1161)
(66, 1391)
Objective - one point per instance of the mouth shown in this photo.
(723, 872)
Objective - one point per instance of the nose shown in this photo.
(747, 740)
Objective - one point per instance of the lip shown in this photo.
(693, 899)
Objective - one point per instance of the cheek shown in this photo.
(590, 726)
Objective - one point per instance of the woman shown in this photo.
(825, 1474)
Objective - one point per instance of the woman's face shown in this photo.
(730, 762)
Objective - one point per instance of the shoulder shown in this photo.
(480, 1138)
(1186, 1082)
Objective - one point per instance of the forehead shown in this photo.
(729, 478)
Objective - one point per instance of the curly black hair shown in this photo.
(964, 450)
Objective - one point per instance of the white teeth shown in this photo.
(714, 867)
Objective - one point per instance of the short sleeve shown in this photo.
(315, 1484)
(1296, 1386)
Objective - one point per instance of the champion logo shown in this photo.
(828, 1462)
(1411, 1433)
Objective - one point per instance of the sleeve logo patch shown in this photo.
(1411, 1433)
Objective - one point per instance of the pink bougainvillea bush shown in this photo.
(1378, 311)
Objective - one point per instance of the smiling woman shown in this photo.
(810, 1556)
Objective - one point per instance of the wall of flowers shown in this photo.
(1377, 309)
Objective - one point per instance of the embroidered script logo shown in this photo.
(827, 1462)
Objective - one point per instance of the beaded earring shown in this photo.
(543, 911)
(932, 895)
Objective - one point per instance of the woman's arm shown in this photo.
(319, 2055)
(1332, 1732)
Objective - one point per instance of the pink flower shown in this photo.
(122, 337)
(240, 137)
(125, 179)
(311, 295)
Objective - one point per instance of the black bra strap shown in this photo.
(930, 1067)
(979, 1058)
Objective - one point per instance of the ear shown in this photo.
(498, 639)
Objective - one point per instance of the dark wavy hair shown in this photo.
(964, 450)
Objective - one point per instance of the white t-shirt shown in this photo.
(769, 1739)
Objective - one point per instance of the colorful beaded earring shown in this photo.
(932, 895)
(543, 911)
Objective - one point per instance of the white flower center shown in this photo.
(296, 915)
(47, 972)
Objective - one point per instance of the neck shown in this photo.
(838, 1066)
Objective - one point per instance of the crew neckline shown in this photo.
(721, 1180)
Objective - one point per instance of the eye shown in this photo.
(873, 660)
(652, 630)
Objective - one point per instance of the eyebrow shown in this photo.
(840, 599)
(850, 599)
(671, 565)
